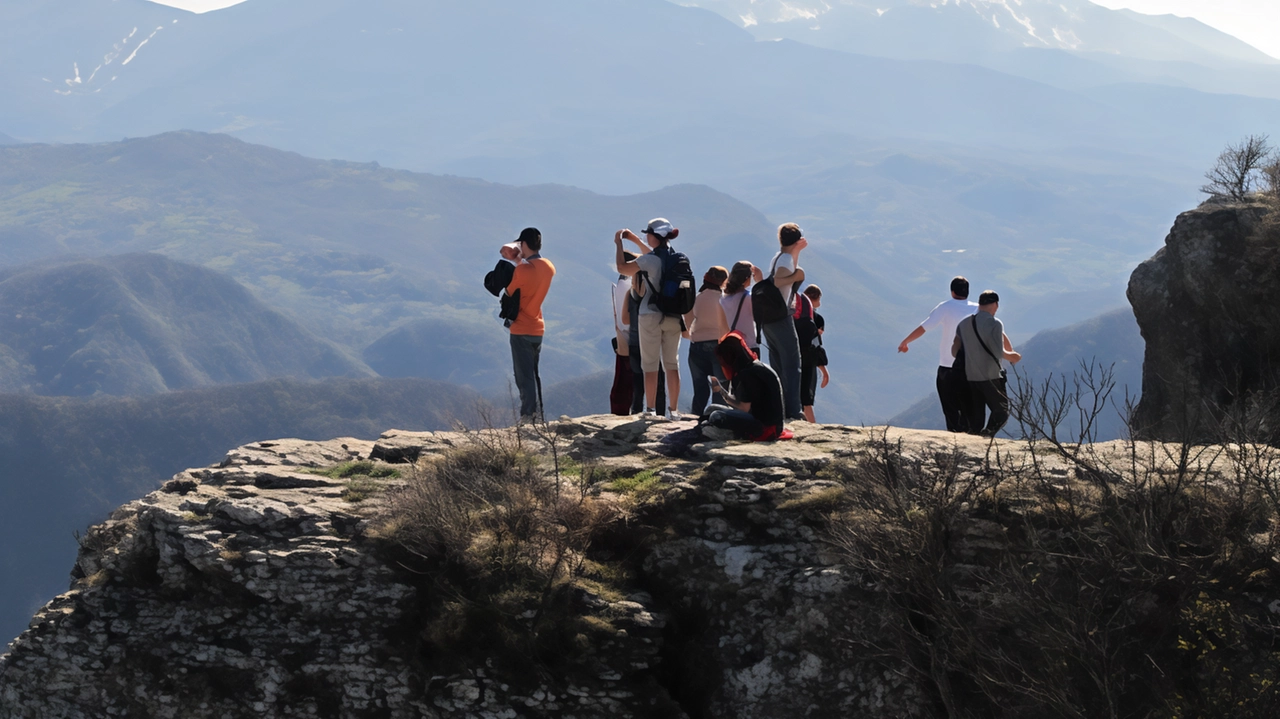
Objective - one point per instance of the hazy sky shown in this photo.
(1257, 22)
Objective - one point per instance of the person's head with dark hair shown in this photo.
(789, 234)
(739, 277)
(814, 293)
(531, 240)
(734, 354)
(714, 278)
(960, 288)
(988, 299)
(659, 232)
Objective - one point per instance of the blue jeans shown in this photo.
(525, 351)
(742, 424)
(703, 365)
(784, 357)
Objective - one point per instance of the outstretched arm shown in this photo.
(916, 334)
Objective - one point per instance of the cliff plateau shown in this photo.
(273, 585)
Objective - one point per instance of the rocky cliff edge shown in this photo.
(259, 588)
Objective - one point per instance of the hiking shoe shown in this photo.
(717, 434)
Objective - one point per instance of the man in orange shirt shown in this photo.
(531, 279)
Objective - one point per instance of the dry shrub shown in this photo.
(1073, 581)
(500, 536)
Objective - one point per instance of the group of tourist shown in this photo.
(725, 320)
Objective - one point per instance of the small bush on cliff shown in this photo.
(1122, 580)
(1239, 170)
(501, 536)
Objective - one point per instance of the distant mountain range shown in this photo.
(1047, 174)
(6, 140)
(141, 324)
(1072, 44)
(68, 461)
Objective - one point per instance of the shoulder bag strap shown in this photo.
(973, 320)
(738, 314)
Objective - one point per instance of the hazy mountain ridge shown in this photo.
(356, 251)
(1054, 191)
(1162, 49)
(142, 324)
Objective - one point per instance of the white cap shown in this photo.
(660, 226)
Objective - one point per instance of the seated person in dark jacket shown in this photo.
(755, 408)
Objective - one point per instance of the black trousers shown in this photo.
(953, 393)
(988, 394)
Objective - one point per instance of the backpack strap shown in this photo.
(774, 270)
(733, 327)
(973, 320)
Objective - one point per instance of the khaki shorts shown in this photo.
(660, 340)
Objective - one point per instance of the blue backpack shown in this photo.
(675, 292)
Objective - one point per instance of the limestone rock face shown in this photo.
(253, 589)
(1207, 306)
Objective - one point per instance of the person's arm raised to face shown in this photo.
(640, 243)
(624, 268)
(916, 334)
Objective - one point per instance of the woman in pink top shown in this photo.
(706, 325)
(736, 303)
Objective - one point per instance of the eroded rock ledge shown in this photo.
(253, 589)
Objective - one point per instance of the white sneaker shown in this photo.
(648, 414)
(673, 415)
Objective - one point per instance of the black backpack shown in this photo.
(767, 302)
(676, 291)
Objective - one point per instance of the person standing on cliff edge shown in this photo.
(953, 387)
(530, 281)
(982, 337)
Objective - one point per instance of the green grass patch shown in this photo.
(641, 484)
(827, 499)
(361, 468)
(360, 489)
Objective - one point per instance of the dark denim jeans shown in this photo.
(784, 357)
(742, 424)
(525, 351)
(703, 365)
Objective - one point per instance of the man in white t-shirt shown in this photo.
(953, 387)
